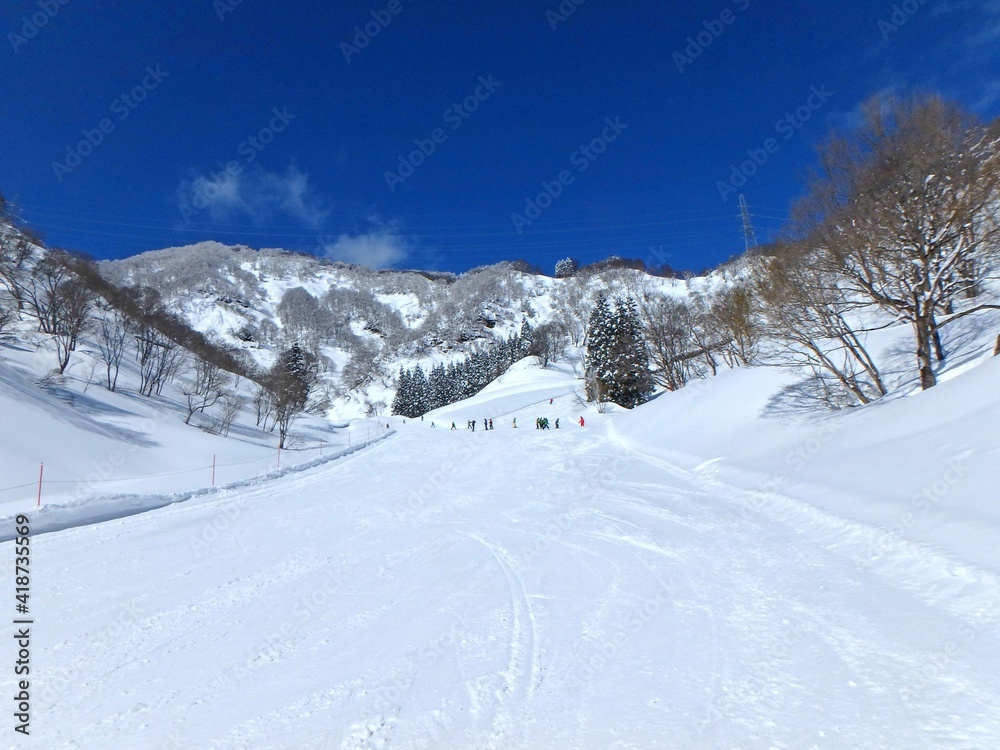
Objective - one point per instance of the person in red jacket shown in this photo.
(581, 421)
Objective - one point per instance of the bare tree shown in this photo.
(160, 360)
(16, 251)
(673, 347)
(906, 211)
(205, 389)
(574, 303)
(707, 341)
(231, 404)
(70, 316)
(805, 313)
(549, 342)
(114, 332)
(365, 366)
(731, 315)
(41, 289)
(263, 404)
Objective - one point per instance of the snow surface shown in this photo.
(703, 572)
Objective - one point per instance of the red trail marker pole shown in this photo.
(41, 472)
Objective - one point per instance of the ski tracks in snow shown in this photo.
(523, 673)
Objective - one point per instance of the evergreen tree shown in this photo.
(439, 387)
(598, 356)
(629, 369)
(289, 383)
(525, 339)
(617, 360)
(566, 267)
(402, 401)
(421, 393)
(418, 393)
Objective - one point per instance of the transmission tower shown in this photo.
(749, 237)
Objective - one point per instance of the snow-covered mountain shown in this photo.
(367, 324)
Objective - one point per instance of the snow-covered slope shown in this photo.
(701, 572)
(95, 443)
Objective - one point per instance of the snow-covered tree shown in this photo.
(566, 267)
(290, 382)
(617, 359)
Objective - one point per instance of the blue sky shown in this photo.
(419, 133)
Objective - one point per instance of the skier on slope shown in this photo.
(453, 426)
(581, 421)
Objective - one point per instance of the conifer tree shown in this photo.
(617, 359)
(632, 381)
(402, 400)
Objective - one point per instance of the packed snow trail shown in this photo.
(500, 589)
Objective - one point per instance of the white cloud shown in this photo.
(254, 193)
(381, 248)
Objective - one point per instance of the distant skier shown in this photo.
(491, 424)
(557, 424)
(550, 402)
(453, 426)
(473, 425)
(581, 422)
(515, 423)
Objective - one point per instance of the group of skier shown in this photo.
(542, 423)
(471, 425)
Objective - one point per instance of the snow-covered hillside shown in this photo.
(366, 324)
(98, 446)
(704, 571)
